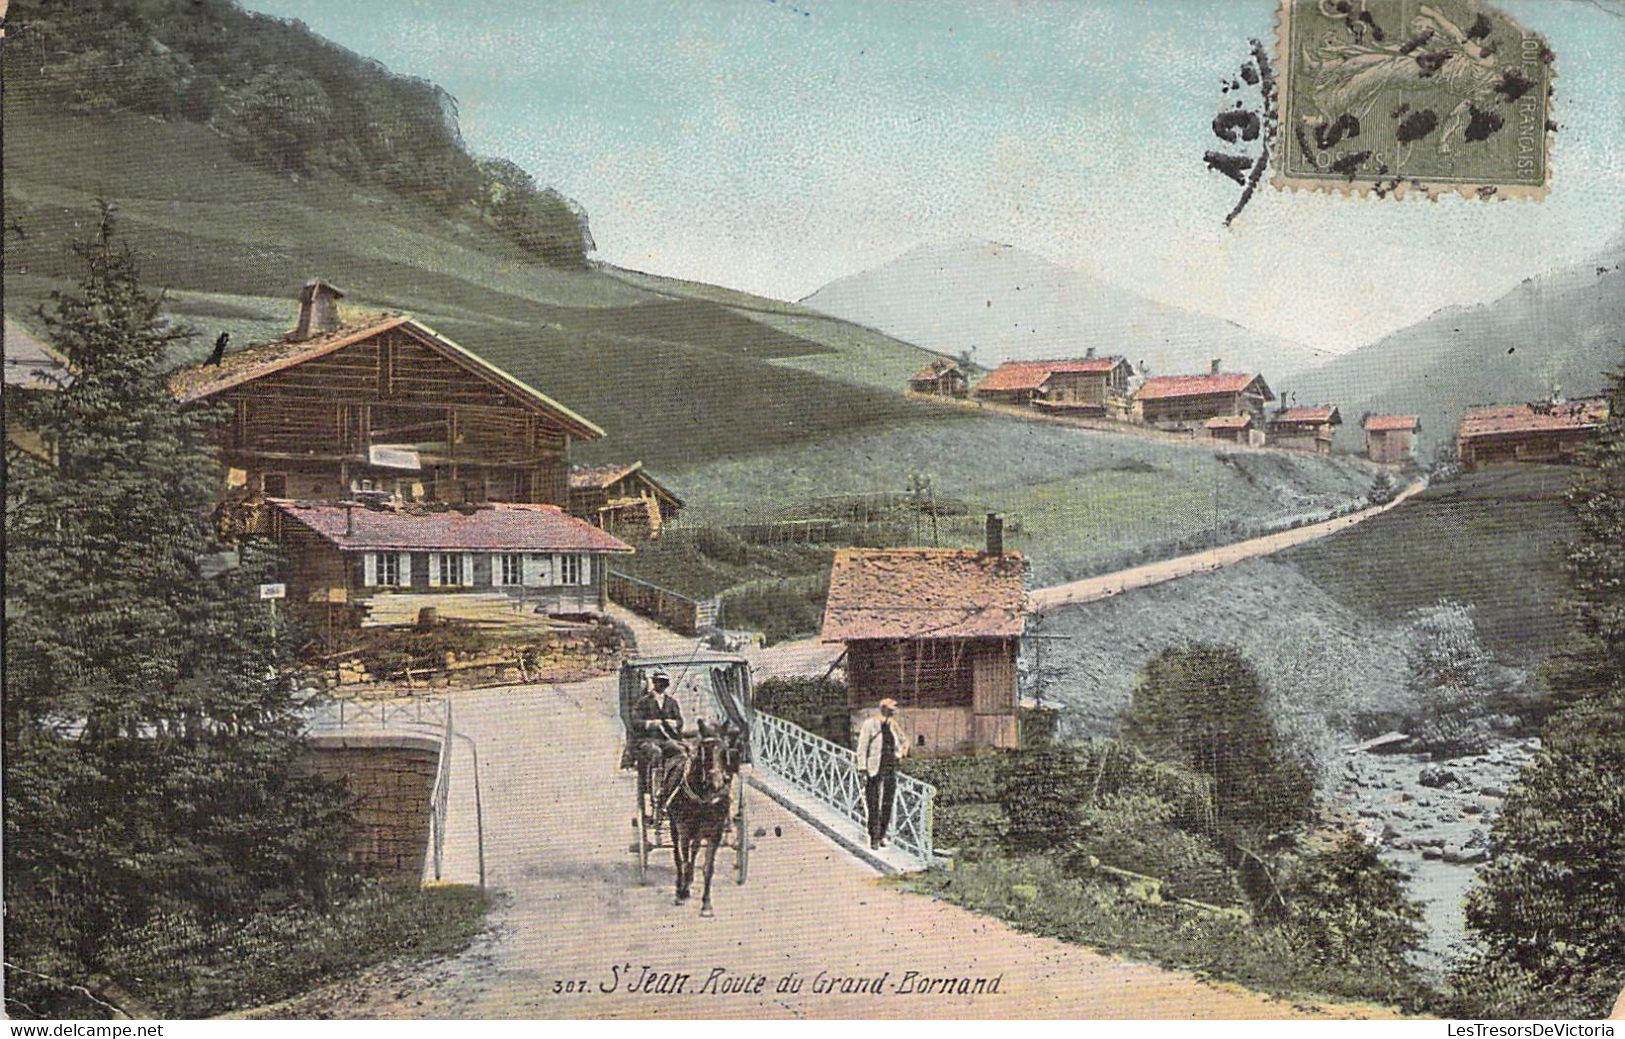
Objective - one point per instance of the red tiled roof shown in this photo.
(1164, 387)
(1230, 422)
(1390, 423)
(261, 359)
(899, 593)
(1029, 375)
(1539, 417)
(500, 527)
(1318, 415)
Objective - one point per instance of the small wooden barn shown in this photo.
(1087, 385)
(938, 630)
(382, 403)
(1391, 439)
(944, 378)
(622, 499)
(341, 554)
(1188, 401)
(1541, 431)
(1305, 428)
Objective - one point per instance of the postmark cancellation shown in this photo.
(1385, 96)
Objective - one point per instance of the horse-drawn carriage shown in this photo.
(689, 789)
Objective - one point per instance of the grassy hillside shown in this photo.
(646, 358)
(1319, 621)
(1493, 539)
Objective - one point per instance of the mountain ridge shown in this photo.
(1003, 303)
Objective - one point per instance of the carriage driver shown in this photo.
(657, 724)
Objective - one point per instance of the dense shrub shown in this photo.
(818, 705)
(1203, 708)
(1346, 907)
(779, 608)
(1133, 831)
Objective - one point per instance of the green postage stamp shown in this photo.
(1394, 94)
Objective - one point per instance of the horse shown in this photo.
(696, 791)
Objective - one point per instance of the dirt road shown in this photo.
(572, 921)
(1106, 585)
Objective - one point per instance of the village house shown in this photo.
(1541, 431)
(1391, 439)
(1188, 401)
(381, 403)
(31, 367)
(343, 554)
(1087, 385)
(942, 378)
(1234, 429)
(938, 630)
(622, 499)
(1305, 428)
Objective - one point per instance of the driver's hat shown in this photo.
(660, 678)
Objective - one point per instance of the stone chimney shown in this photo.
(318, 310)
(1213, 368)
(1089, 354)
(995, 534)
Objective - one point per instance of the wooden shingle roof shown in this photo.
(199, 381)
(1538, 417)
(938, 593)
(497, 527)
(1030, 375)
(1167, 387)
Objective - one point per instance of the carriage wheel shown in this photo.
(741, 835)
(641, 824)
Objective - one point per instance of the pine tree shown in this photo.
(149, 734)
(1549, 910)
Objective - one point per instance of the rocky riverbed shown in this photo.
(1431, 818)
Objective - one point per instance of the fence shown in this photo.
(673, 609)
(829, 773)
(429, 716)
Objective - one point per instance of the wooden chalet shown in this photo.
(943, 378)
(1305, 428)
(31, 367)
(622, 499)
(1391, 439)
(1542, 431)
(342, 554)
(939, 631)
(1188, 401)
(1234, 429)
(1089, 384)
(382, 403)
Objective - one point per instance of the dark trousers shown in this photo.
(879, 791)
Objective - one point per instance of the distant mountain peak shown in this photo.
(955, 294)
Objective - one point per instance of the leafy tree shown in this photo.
(1549, 910)
(1346, 907)
(1449, 678)
(281, 117)
(148, 738)
(1203, 707)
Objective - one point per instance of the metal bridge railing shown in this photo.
(829, 773)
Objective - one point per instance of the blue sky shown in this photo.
(773, 146)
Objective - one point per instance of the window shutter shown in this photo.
(586, 569)
(468, 569)
(406, 569)
(558, 569)
(535, 570)
(434, 569)
(369, 570)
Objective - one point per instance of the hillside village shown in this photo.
(1176, 669)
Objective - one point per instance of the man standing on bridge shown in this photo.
(880, 747)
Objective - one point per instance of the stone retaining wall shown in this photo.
(391, 776)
